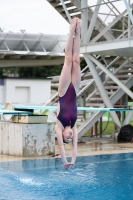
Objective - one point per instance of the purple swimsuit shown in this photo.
(68, 107)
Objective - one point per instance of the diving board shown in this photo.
(15, 112)
(29, 109)
(78, 108)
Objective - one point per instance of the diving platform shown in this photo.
(32, 140)
(120, 47)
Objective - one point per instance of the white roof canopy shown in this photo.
(32, 49)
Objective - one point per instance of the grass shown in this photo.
(107, 127)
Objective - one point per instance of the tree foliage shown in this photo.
(45, 71)
(1, 72)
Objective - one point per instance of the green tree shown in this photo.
(1, 72)
(45, 71)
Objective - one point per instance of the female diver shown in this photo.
(68, 87)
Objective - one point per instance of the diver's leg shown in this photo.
(65, 77)
(76, 72)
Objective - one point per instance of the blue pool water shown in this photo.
(102, 177)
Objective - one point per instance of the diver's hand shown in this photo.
(68, 165)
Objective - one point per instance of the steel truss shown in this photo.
(104, 46)
(32, 49)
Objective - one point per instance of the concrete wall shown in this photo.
(27, 139)
(26, 91)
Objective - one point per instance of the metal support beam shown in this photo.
(20, 42)
(37, 43)
(123, 48)
(99, 25)
(31, 63)
(100, 4)
(114, 8)
(115, 79)
(92, 22)
(89, 84)
(101, 89)
(123, 27)
(82, 71)
(6, 46)
(53, 43)
(129, 11)
(66, 11)
(109, 26)
(84, 17)
(43, 47)
(26, 47)
(129, 24)
(2, 41)
(128, 117)
(108, 14)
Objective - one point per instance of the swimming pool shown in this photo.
(101, 177)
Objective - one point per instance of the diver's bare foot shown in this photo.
(78, 26)
(73, 25)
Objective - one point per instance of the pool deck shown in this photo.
(88, 146)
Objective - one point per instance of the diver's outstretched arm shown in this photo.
(60, 144)
(74, 145)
